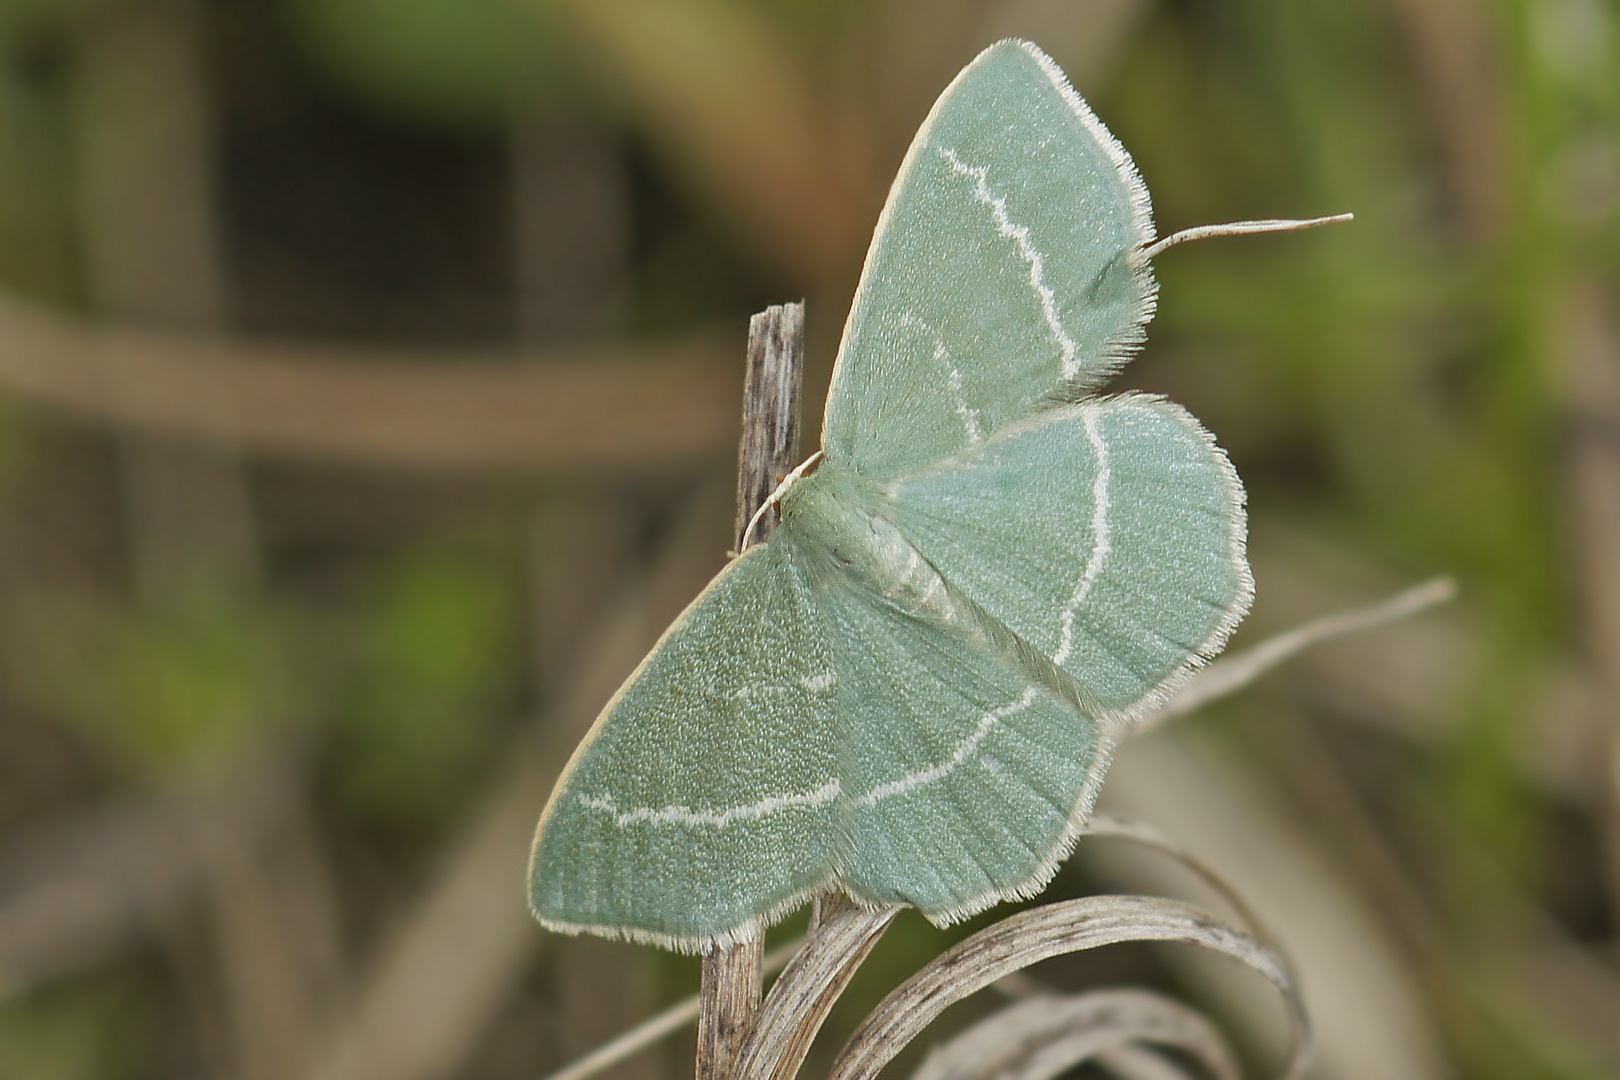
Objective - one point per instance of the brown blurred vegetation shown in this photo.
(370, 374)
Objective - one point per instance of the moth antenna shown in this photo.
(1239, 228)
(775, 497)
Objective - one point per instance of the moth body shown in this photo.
(832, 512)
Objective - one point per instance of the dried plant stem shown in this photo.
(1046, 1036)
(732, 976)
(769, 448)
(1132, 1061)
(803, 996)
(1038, 934)
(732, 985)
(1112, 826)
(1232, 673)
(658, 1027)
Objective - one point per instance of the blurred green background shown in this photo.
(368, 382)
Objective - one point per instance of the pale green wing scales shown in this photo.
(965, 780)
(1108, 534)
(1001, 273)
(703, 797)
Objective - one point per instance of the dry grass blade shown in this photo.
(1232, 673)
(1112, 826)
(1133, 1062)
(1043, 1037)
(1106, 826)
(664, 1024)
(797, 1005)
(1039, 934)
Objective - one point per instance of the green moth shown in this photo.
(912, 690)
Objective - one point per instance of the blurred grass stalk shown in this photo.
(147, 161)
(572, 213)
(1570, 120)
(1593, 350)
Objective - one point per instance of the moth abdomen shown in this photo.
(831, 517)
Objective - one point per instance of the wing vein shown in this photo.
(965, 749)
(1102, 544)
(686, 816)
(1019, 235)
